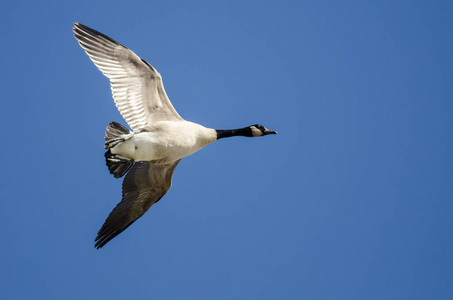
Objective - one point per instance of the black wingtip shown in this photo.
(79, 28)
(107, 233)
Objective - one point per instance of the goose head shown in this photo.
(260, 130)
(251, 131)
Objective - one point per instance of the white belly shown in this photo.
(166, 142)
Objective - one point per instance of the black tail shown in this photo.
(114, 135)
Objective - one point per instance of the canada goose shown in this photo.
(160, 137)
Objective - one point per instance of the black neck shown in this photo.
(246, 131)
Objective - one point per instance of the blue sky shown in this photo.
(351, 200)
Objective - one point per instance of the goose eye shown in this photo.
(257, 126)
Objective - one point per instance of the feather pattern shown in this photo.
(143, 186)
(136, 86)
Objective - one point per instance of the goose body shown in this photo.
(160, 137)
(165, 142)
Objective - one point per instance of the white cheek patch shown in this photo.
(256, 132)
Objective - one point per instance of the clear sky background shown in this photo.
(351, 200)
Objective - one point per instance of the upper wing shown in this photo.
(136, 86)
(143, 186)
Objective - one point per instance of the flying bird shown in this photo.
(160, 138)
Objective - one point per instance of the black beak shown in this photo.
(267, 131)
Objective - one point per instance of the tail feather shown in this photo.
(114, 135)
(117, 166)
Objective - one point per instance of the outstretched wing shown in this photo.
(143, 186)
(136, 86)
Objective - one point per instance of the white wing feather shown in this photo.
(136, 86)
